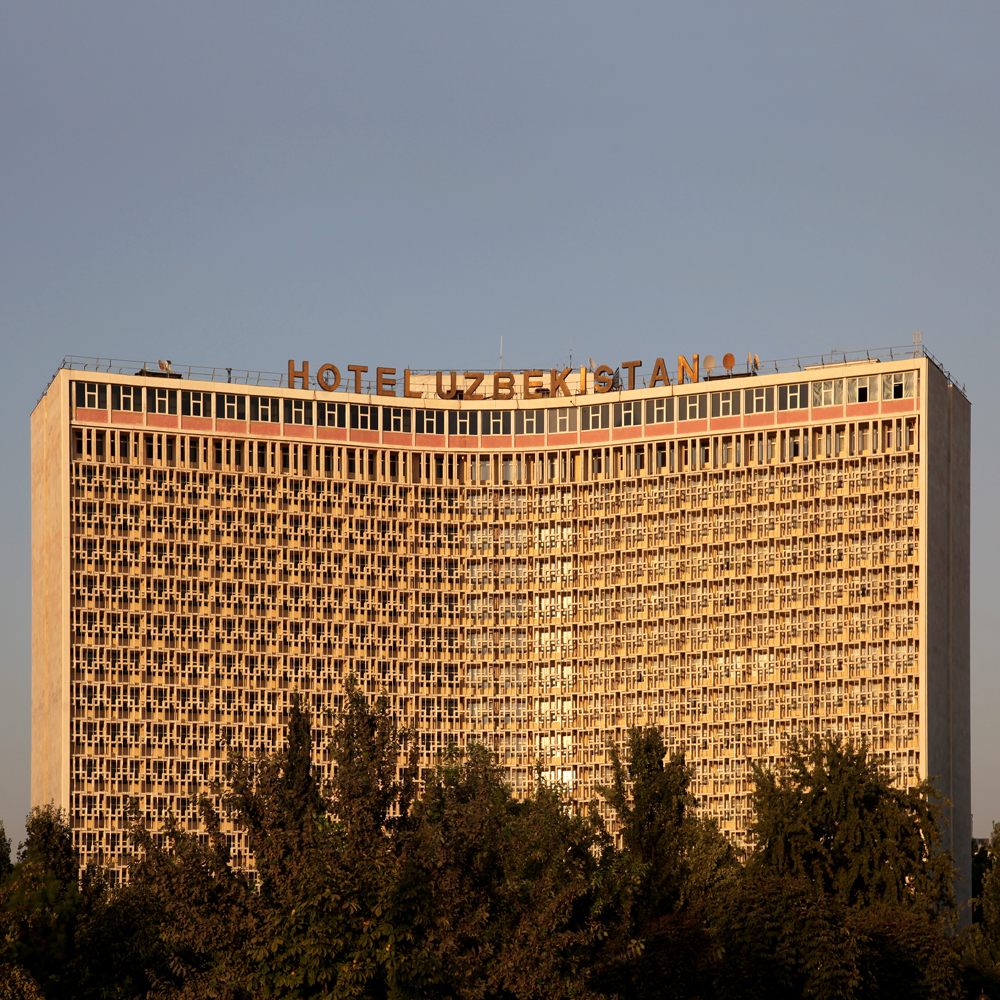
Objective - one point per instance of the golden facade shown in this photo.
(737, 561)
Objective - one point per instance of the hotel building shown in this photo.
(737, 558)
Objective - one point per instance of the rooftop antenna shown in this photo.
(165, 367)
(918, 339)
(501, 352)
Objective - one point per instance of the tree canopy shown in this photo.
(381, 885)
(833, 816)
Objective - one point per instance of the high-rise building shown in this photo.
(737, 558)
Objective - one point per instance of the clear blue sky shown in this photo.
(402, 184)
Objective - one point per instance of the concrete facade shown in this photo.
(737, 561)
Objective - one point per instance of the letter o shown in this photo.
(321, 377)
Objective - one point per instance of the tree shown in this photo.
(982, 865)
(182, 921)
(832, 815)
(982, 945)
(325, 862)
(50, 843)
(508, 898)
(651, 800)
(6, 865)
(674, 861)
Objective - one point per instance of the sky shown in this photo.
(235, 184)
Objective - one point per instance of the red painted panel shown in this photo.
(362, 437)
(231, 426)
(726, 423)
(331, 434)
(862, 409)
(161, 420)
(127, 417)
(462, 441)
(626, 433)
(594, 437)
(265, 427)
(429, 440)
(396, 438)
(196, 423)
(793, 416)
(685, 427)
(759, 420)
(91, 416)
(897, 406)
(559, 439)
(827, 413)
(301, 431)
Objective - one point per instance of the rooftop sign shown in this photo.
(531, 384)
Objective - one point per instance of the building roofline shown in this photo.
(278, 380)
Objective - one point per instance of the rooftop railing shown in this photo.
(246, 377)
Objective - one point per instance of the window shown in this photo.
(264, 409)
(496, 421)
(898, 385)
(364, 418)
(628, 414)
(562, 419)
(230, 406)
(463, 421)
(196, 404)
(332, 414)
(92, 395)
(694, 407)
(726, 404)
(395, 418)
(862, 390)
(793, 397)
(161, 400)
(299, 411)
(126, 397)
(828, 393)
(529, 422)
(595, 418)
(430, 422)
(660, 411)
(758, 400)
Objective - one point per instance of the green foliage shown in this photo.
(982, 865)
(651, 800)
(364, 890)
(16, 983)
(6, 866)
(49, 843)
(516, 898)
(831, 815)
(982, 941)
(326, 920)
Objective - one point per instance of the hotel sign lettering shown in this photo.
(537, 384)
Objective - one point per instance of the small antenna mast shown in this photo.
(501, 352)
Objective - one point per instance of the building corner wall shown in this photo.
(50, 615)
(948, 421)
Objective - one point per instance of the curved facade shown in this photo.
(736, 561)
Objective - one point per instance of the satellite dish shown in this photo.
(708, 362)
(165, 367)
(729, 362)
(592, 365)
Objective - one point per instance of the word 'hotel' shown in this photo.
(737, 560)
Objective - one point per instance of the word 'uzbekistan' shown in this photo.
(501, 384)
